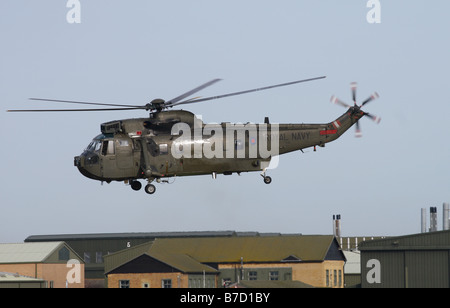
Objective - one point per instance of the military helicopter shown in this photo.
(174, 143)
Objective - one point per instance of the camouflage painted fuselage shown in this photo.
(152, 148)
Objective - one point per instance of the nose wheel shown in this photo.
(150, 189)
(135, 185)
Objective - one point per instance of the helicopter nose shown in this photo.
(78, 161)
(85, 169)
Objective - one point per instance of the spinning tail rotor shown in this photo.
(356, 109)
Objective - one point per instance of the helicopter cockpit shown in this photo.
(109, 157)
(89, 161)
(102, 144)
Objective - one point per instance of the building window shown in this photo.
(146, 285)
(87, 257)
(252, 275)
(335, 278)
(63, 254)
(273, 275)
(166, 283)
(327, 277)
(124, 284)
(340, 278)
(98, 257)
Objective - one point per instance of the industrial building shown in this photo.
(16, 281)
(93, 247)
(321, 254)
(44, 264)
(253, 259)
(313, 260)
(412, 261)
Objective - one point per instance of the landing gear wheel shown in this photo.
(267, 179)
(150, 189)
(136, 185)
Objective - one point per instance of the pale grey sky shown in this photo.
(132, 52)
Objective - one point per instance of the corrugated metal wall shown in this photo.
(427, 269)
(415, 261)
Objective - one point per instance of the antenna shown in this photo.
(446, 221)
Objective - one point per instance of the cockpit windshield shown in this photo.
(94, 146)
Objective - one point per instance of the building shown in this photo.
(352, 269)
(314, 260)
(93, 247)
(16, 281)
(53, 262)
(412, 261)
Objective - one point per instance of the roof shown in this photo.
(191, 254)
(27, 252)
(14, 277)
(142, 235)
(184, 263)
(258, 284)
(353, 264)
(422, 241)
(251, 249)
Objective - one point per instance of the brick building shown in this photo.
(315, 260)
(47, 261)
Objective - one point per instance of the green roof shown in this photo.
(251, 249)
(191, 254)
(439, 240)
(183, 263)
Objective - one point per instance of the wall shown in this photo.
(313, 273)
(154, 280)
(49, 272)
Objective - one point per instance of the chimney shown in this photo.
(337, 225)
(433, 219)
(446, 214)
(424, 220)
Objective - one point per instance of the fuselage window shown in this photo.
(163, 149)
(108, 147)
(123, 143)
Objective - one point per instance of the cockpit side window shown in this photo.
(108, 147)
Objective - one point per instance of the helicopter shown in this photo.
(174, 143)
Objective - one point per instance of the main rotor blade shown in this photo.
(173, 101)
(81, 103)
(76, 110)
(371, 98)
(375, 118)
(244, 92)
(353, 86)
(337, 101)
(358, 133)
